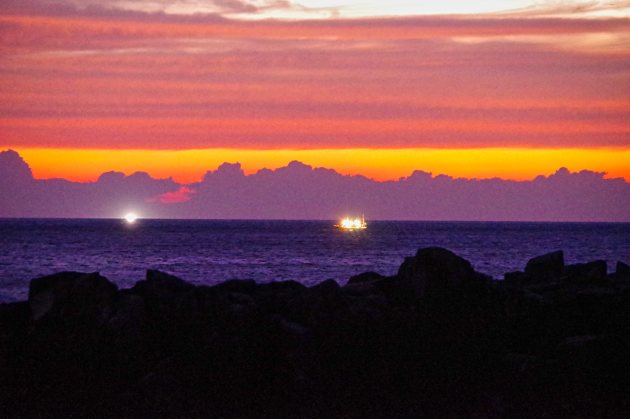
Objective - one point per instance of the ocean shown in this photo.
(209, 252)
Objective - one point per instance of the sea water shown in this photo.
(208, 252)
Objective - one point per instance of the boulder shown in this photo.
(622, 271)
(291, 286)
(128, 315)
(434, 268)
(323, 303)
(514, 276)
(586, 273)
(329, 286)
(12, 314)
(161, 285)
(365, 277)
(71, 293)
(14, 318)
(371, 348)
(547, 267)
(245, 286)
(514, 279)
(163, 296)
(369, 283)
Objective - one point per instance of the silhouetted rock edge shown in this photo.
(438, 338)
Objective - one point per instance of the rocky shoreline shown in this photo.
(437, 339)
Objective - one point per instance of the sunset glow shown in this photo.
(380, 164)
(510, 89)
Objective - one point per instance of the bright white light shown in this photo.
(347, 223)
(131, 217)
(352, 223)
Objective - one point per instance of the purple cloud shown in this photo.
(299, 191)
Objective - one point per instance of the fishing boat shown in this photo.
(348, 223)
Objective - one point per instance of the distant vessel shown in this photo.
(352, 223)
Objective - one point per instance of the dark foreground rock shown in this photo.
(436, 340)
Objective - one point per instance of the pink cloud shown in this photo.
(183, 194)
(98, 78)
(87, 30)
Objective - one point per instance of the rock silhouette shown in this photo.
(437, 339)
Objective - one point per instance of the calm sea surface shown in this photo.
(207, 252)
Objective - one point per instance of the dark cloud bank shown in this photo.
(298, 191)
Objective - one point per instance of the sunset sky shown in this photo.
(510, 88)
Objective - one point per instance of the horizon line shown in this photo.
(320, 220)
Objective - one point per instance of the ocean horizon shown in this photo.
(331, 221)
(307, 251)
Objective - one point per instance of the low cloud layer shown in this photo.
(299, 191)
